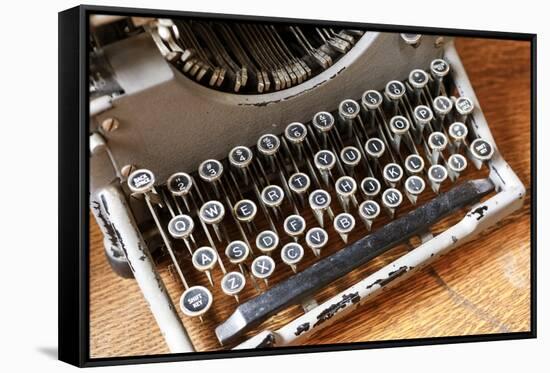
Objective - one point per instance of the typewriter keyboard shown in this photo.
(273, 227)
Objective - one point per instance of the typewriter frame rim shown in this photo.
(74, 337)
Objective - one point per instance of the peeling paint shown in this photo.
(454, 239)
(302, 328)
(391, 276)
(267, 341)
(330, 311)
(107, 226)
(123, 247)
(480, 211)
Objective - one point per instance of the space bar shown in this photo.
(304, 284)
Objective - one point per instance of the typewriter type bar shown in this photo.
(389, 157)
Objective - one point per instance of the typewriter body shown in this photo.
(284, 173)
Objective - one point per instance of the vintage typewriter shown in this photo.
(284, 173)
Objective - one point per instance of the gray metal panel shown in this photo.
(174, 125)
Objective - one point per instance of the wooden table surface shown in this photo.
(482, 287)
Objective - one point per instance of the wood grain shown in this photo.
(482, 287)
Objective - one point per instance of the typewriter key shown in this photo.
(181, 227)
(375, 147)
(316, 239)
(392, 174)
(296, 133)
(437, 174)
(237, 252)
(245, 210)
(299, 183)
(211, 171)
(212, 213)
(464, 107)
(179, 184)
(456, 164)
(241, 157)
(263, 267)
(418, 79)
(344, 224)
(291, 254)
(325, 160)
(350, 156)
(272, 196)
(442, 106)
(323, 121)
(294, 226)
(437, 141)
(268, 145)
(368, 211)
(399, 126)
(348, 110)
(345, 189)
(204, 259)
(370, 187)
(394, 91)
(414, 186)
(371, 100)
(457, 132)
(391, 199)
(422, 116)
(319, 201)
(439, 69)
(141, 181)
(414, 164)
(267, 241)
(481, 149)
(196, 301)
(233, 283)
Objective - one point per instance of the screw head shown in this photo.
(110, 124)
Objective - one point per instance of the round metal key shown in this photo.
(348, 109)
(292, 253)
(268, 144)
(272, 195)
(395, 90)
(263, 267)
(245, 210)
(179, 184)
(299, 182)
(296, 132)
(196, 301)
(240, 156)
(323, 121)
(418, 78)
(294, 225)
(267, 241)
(204, 258)
(371, 100)
(482, 149)
(399, 125)
(237, 252)
(233, 283)
(210, 170)
(370, 187)
(375, 147)
(141, 181)
(212, 212)
(181, 226)
(414, 164)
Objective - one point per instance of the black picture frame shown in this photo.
(73, 250)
